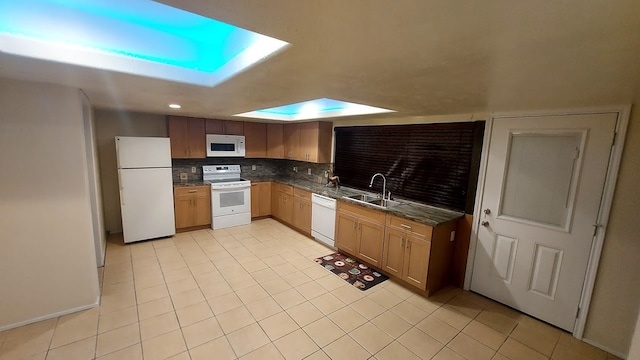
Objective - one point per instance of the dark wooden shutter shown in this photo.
(429, 163)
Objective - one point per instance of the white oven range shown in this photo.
(230, 196)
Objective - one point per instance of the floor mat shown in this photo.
(352, 271)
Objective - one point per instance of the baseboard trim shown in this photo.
(50, 316)
(601, 347)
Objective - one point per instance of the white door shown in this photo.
(544, 181)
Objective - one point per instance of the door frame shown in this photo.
(605, 205)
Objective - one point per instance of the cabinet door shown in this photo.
(275, 201)
(416, 261)
(197, 139)
(309, 141)
(370, 240)
(275, 141)
(255, 140)
(291, 134)
(286, 208)
(302, 214)
(255, 200)
(202, 210)
(234, 127)
(179, 135)
(265, 199)
(213, 126)
(346, 232)
(183, 209)
(393, 253)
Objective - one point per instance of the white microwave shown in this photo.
(225, 145)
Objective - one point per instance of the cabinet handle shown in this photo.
(192, 191)
(402, 242)
(405, 226)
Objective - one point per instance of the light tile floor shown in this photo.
(254, 292)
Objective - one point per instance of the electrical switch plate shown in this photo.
(253, 167)
(184, 176)
(193, 169)
(309, 171)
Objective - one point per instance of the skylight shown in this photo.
(314, 109)
(140, 37)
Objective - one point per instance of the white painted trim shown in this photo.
(603, 219)
(602, 347)
(51, 316)
(605, 206)
(477, 209)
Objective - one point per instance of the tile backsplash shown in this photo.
(263, 167)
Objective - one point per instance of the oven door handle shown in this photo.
(234, 188)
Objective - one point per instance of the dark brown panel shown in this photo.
(429, 163)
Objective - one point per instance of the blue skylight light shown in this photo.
(314, 109)
(140, 37)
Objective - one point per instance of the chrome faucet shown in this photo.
(384, 185)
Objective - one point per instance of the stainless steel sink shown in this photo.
(384, 203)
(363, 197)
(374, 200)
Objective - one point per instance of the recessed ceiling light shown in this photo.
(141, 37)
(314, 109)
(175, 106)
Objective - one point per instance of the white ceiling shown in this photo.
(418, 57)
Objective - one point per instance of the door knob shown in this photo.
(487, 211)
(484, 223)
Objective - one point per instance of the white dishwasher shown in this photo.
(323, 218)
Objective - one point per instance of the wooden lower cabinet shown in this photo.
(416, 261)
(260, 199)
(301, 217)
(192, 206)
(282, 202)
(346, 232)
(417, 253)
(360, 231)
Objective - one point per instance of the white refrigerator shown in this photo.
(146, 187)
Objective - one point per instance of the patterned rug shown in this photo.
(351, 271)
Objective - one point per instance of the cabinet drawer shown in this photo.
(304, 194)
(370, 214)
(410, 226)
(191, 190)
(287, 189)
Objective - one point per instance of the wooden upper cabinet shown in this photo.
(275, 141)
(315, 141)
(224, 127)
(234, 127)
(255, 140)
(308, 141)
(291, 133)
(187, 137)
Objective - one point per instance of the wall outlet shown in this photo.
(253, 167)
(295, 169)
(452, 236)
(326, 174)
(309, 171)
(184, 176)
(193, 169)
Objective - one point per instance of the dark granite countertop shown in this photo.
(425, 214)
(190, 183)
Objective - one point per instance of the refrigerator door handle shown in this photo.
(121, 188)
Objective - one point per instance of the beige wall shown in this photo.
(616, 299)
(110, 124)
(47, 259)
(634, 351)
